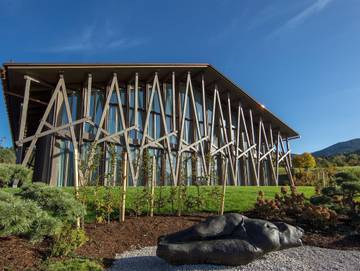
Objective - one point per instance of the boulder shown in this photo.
(230, 239)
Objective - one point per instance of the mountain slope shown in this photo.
(352, 145)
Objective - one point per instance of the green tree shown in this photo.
(305, 160)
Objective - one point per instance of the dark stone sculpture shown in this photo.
(230, 239)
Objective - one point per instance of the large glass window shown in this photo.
(65, 162)
(74, 103)
(96, 109)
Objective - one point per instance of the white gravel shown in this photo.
(301, 258)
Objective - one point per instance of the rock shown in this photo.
(230, 239)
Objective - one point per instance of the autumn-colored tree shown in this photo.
(305, 160)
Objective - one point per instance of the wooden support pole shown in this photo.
(136, 98)
(23, 121)
(225, 178)
(258, 155)
(153, 182)
(204, 105)
(123, 190)
(88, 96)
(288, 148)
(173, 101)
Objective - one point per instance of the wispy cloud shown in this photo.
(94, 38)
(316, 7)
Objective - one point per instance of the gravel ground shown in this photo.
(301, 258)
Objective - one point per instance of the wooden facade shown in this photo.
(190, 117)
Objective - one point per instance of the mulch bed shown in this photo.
(106, 240)
(19, 254)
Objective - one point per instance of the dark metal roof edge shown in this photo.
(103, 65)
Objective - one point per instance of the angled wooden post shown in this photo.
(197, 126)
(73, 137)
(204, 105)
(251, 146)
(180, 140)
(269, 152)
(42, 123)
(228, 144)
(24, 110)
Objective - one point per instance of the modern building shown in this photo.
(67, 120)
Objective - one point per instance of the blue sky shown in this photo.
(300, 58)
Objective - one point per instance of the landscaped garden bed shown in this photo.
(38, 223)
(107, 240)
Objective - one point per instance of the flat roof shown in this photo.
(14, 82)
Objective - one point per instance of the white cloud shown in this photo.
(94, 38)
(316, 7)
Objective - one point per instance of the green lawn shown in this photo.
(237, 199)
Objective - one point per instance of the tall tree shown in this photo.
(305, 160)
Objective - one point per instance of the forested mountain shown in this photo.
(350, 146)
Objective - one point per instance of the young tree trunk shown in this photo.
(222, 204)
(153, 178)
(123, 191)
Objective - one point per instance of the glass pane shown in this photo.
(169, 103)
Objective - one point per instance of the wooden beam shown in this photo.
(22, 97)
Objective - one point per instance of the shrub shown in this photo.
(141, 201)
(11, 172)
(25, 218)
(341, 196)
(68, 241)
(319, 216)
(293, 205)
(55, 201)
(74, 264)
(320, 200)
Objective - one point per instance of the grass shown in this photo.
(237, 199)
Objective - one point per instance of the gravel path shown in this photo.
(301, 258)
